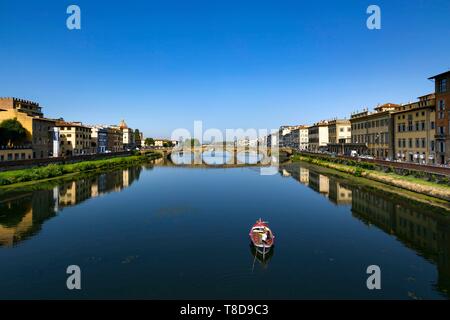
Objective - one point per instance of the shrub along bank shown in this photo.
(58, 170)
(408, 179)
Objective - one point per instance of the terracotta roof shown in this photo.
(123, 125)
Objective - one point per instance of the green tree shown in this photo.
(12, 132)
(149, 142)
(167, 144)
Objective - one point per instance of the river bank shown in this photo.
(430, 189)
(26, 177)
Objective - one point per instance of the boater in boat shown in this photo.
(261, 235)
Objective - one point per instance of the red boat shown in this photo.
(261, 236)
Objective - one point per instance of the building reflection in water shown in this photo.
(423, 228)
(22, 217)
(336, 191)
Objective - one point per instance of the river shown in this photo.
(172, 232)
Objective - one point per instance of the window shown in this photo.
(432, 145)
(410, 144)
(432, 124)
(417, 143)
(441, 130)
(441, 105)
(410, 125)
(422, 125)
(423, 143)
(442, 85)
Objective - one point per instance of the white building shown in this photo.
(318, 136)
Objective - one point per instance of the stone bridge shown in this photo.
(234, 151)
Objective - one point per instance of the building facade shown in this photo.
(295, 137)
(414, 137)
(128, 139)
(24, 106)
(39, 129)
(15, 153)
(114, 140)
(339, 134)
(442, 136)
(99, 138)
(318, 136)
(303, 136)
(375, 129)
(75, 139)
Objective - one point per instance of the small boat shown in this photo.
(261, 236)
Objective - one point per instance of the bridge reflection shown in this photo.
(217, 156)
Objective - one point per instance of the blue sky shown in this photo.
(160, 65)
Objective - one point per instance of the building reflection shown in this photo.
(22, 217)
(418, 227)
(423, 228)
(333, 189)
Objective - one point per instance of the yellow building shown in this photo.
(339, 194)
(12, 234)
(375, 130)
(414, 127)
(339, 133)
(75, 139)
(38, 128)
(11, 154)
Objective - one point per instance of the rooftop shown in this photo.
(440, 75)
(19, 100)
(62, 123)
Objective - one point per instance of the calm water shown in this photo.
(171, 232)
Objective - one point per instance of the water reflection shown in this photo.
(263, 259)
(158, 215)
(216, 157)
(414, 224)
(22, 216)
